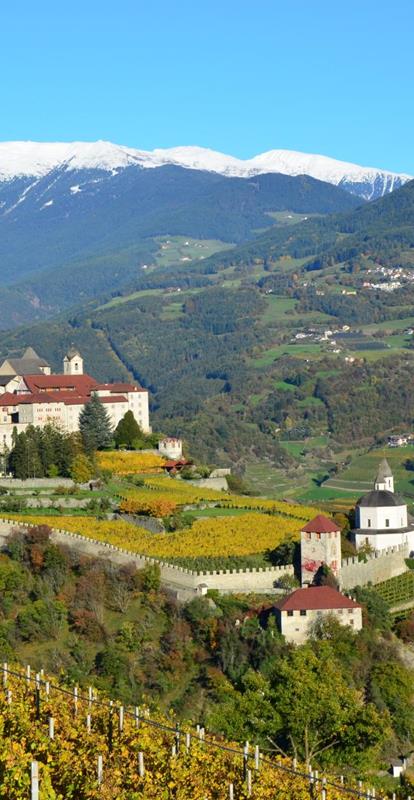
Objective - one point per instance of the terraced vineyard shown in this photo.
(78, 746)
(397, 590)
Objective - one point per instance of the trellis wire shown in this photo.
(199, 735)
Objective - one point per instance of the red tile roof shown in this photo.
(8, 399)
(81, 384)
(113, 398)
(321, 524)
(315, 598)
(118, 387)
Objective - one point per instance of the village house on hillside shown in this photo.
(298, 612)
(31, 395)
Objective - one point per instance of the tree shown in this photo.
(82, 469)
(94, 425)
(319, 711)
(127, 432)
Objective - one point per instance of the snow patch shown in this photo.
(75, 189)
(46, 205)
(37, 159)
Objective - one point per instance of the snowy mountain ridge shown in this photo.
(36, 159)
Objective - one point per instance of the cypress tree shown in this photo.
(127, 431)
(94, 425)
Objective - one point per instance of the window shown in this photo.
(308, 536)
(350, 610)
(318, 535)
(303, 612)
(369, 523)
(351, 621)
(290, 613)
(387, 523)
(340, 611)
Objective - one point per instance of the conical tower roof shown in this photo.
(384, 471)
(72, 352)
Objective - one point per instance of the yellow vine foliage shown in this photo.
(185, 493)
(68, 762)
(245, 534)
(127, 462)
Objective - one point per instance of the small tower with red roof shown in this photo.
(320, 544)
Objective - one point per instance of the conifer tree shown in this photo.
(94, 425)
(127, 431)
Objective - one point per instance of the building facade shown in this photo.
(40, 398)
(297, 613)
(381, 516)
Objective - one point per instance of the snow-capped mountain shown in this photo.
(37, 159)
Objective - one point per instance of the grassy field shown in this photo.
(360, 475)
(183, 249)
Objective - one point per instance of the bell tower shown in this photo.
(384, 482)
(73, 362)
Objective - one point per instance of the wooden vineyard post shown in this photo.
(51, 728)
(136, 716)
(5, 671)
(100, 769)
(245, 759)
(75, 700)
(231, 791)
(121, 719)
(187, 742)
(28, 674)
(110, 729)
(249, 783)
(257, 758)
(88, 723)
(141, 769)
(177, 737)
(34, 781)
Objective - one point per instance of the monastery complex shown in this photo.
(31, 395)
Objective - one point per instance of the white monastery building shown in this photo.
(381, 517)
(31, 395)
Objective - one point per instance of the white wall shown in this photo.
(376, 518)
(382, 541)
(296, 628)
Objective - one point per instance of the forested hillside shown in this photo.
(233, 349)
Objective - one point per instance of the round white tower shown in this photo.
(73, 362)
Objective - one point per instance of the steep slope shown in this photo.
(92, 230)
(384, 228)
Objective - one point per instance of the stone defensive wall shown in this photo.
(185, 582)
(379, 566)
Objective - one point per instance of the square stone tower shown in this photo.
(320, 543)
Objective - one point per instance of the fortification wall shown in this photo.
(380, 566)
(261, 581)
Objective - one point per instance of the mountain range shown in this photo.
(78, 221)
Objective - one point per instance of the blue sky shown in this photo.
(240, 76)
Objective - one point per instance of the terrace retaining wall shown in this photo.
(185, 582)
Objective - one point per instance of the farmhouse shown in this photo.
(31, 395)
(381, 516)
(297, 613)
